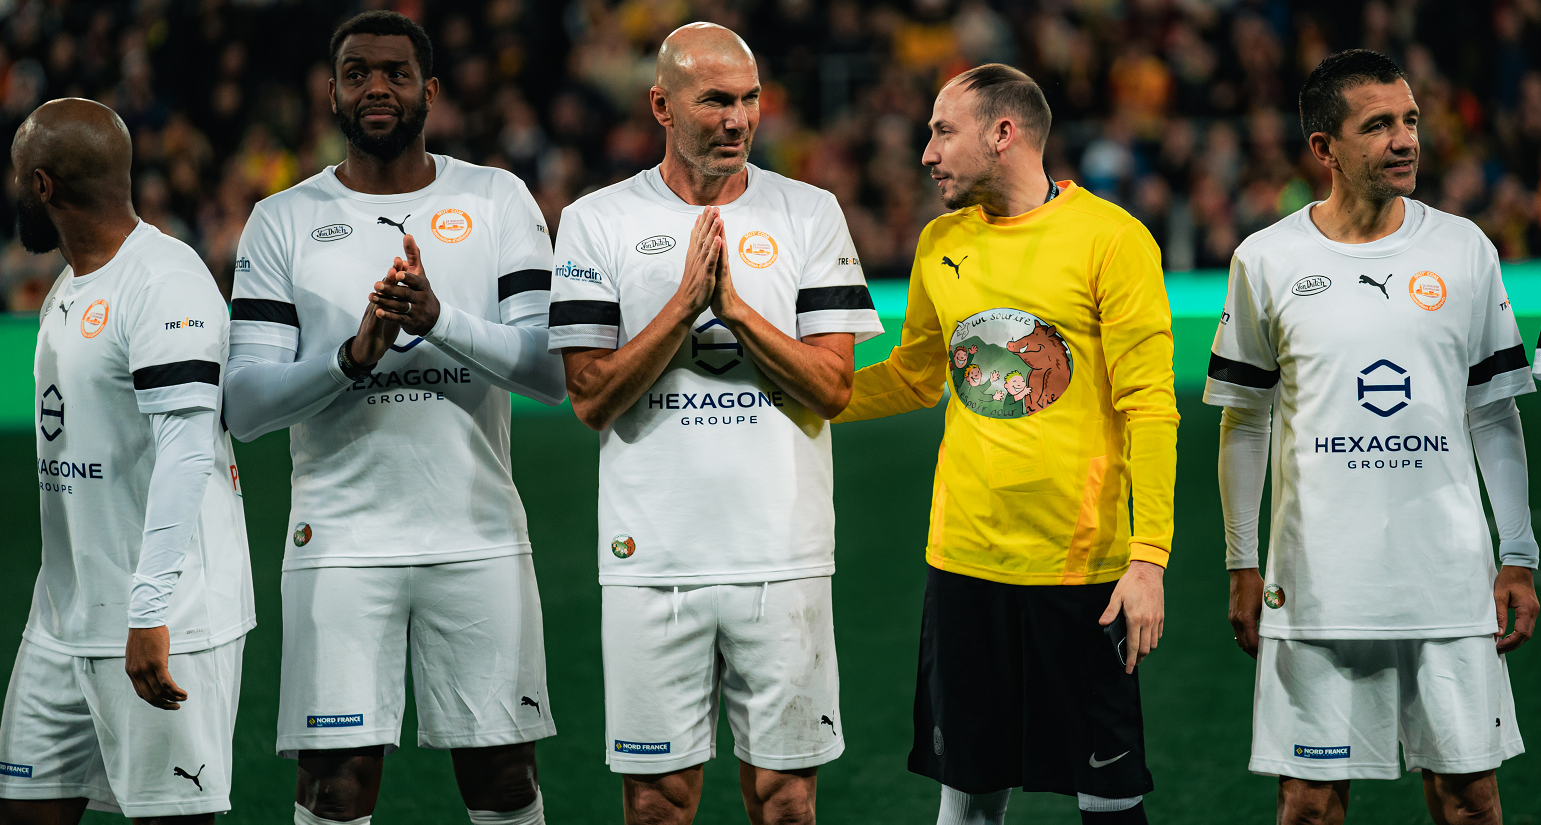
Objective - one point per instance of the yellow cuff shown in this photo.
(1148, 552)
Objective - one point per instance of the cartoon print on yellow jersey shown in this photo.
(1028, 363)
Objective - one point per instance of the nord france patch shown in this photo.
(1313, 752)
(352, 720)
(622, 746)
(18, 771)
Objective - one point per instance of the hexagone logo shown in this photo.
(1400, 392)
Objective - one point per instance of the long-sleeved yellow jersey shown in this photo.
(1053, 331)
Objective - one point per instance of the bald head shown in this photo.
(700, 50)
(82, 147)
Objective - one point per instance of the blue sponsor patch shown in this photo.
(1312, 752)
(20, 771)
(352, 720)
(641, 747)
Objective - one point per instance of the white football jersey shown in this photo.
(411, 464)
(145, 334)
(715, 475)
(1371, 355)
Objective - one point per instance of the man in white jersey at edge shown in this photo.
(709, 346)
(407, 534)
(145, 586)
(1379, 331)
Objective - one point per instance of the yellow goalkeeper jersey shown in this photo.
(1053, 333)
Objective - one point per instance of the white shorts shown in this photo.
(1332, 710)
(74, 727)
(478, 657)
(769, 649)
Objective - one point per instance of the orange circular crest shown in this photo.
(451, 225)
(1427, 290)
(94, 319)
(757, 249)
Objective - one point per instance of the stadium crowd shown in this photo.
(1183, 111)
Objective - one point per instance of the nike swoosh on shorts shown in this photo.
(1101, 763)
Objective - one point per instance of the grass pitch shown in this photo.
(1197, 687)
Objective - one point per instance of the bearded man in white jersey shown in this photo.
(145, 586)
(1379, 331)
(707, 312)
(407, 532)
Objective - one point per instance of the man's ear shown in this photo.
(431, 91)
(1322, 149)
(43, 184)
(659, 102)
(1002, 134)
(331, 91)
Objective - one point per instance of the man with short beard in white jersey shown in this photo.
(1378, 331)
(710, 346)
(145, 586)
(406, 532)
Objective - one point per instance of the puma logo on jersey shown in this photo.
(1365, 279)
(825, 720)
(955, 271)
(191, 777)
(402, 226)
(525, 701)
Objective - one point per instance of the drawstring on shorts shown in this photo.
(676, 606)
(764, 589)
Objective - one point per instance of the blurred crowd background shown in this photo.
(1182, 111)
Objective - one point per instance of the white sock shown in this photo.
(959, 808)
(304, 817)
(1099, 804)
(531, 814)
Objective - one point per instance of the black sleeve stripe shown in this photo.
(523, 281)
(261, 309)
(569, 313)
(179, 372)
(1241, 374)
(1505, 360)
(833, 297)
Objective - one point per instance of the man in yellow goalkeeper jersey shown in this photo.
(1055, 297)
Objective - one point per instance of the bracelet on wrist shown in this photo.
(349, 367)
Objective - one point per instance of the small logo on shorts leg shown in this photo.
(825, 720)
(936, 741)
(1313, 752)
(301, 534)
(527, 702)
(18, 771)
(623, 546)
(1102, 763)
(1273, 596)
(352, 720)
(622, 746)
(191, 777)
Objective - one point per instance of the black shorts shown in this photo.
(1020, 687)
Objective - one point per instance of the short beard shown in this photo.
(390, 145)
(1377, 190)
(697, 151)
(34, 228)
(982, 189)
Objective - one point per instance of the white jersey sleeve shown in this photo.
(1243, 363)
(262, 301)
(176, 335)
(184, 460)
(585, 301)
(1495, 350)
(524, 293)
(832, 292)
